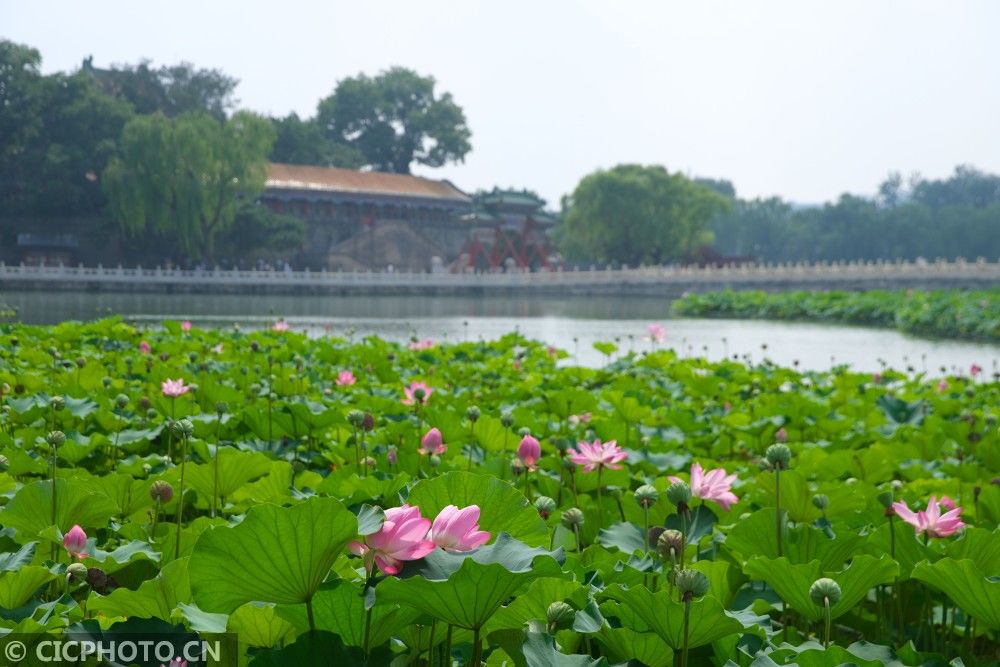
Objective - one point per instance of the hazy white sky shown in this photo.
(799, 98)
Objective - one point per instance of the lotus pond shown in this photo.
(327, 501)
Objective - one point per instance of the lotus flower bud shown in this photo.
(821, 501)
(55, 438)
(161, 491)
(57, 403)
(825, 589)
(221, 408)
(781, 435)
(572, 517)
(646, 495)
(182, 428)
(679, 494)
(392, 456)
(472, 413)
(886, 498)
(778, 456)
(507, 420)
(559, 616)
(76, 572)
(691, 584)
(144, 403)
(355, 418)
(368, 423)
(670, 543)
(545, 506)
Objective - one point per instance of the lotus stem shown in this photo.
(180, 498)
(684, 640)
(777, 505)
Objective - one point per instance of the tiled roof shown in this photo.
(332, 179)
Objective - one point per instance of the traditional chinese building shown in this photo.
(374, 220)
(507, 229)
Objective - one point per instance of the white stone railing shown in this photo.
(748, 274)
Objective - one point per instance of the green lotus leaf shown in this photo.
(16, 588)
(276, 554)
(236, 469)
(30, 511)
(259, 626)
(156, 598)
(624, 536)
(976, 594)
(540, 650)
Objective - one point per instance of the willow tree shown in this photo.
(184, 177)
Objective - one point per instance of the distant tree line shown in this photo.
(160, 157)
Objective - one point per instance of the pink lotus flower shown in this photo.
(174, 388)
(410, 398)
(947, 502)
(346, 379)
(595, 455)
(392, 456)
(714, 485)
(144, 347)
(424, 344)
(432, 443)
(529, 451)
(552, 351)
(280, 325)
(877, 378)
(657, 333)
(458, 529)
(582, 418)
(75, 542)
(517, 364)
(176, 662)
(781, 435)
(186, 325)
(975, 370)
(942, 386)
(931, 520)
(401, 538)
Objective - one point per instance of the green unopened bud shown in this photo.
(355, 418)
(821, 501)
(646, 495)
(679, 494)
(121, 401)
(886, 498)
(221, 407)
(55, 438)
(572, 517)
(825, 589)
(559, 616)
(691, 584)
(472, 413)
(161, 491)
(76, 572)
(778, 456)
(670, 543)
(545, 506)
(57, 403)
(507, 420)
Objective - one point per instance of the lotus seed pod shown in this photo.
(121, 401)
(368, 423)
(896, 484)
(57, 403)
(507, 419)
(472, 413)
(419, 393)
(4, 388)
(821, 501)
(572, 517)
(670, 542)
(559, 616)
(272, 396)
(161, 491)
(221, 407)
(653, 536)
(679, 494)
(182, 428)
(778, 456)
(76, 572)
(144, 403)
(886, 498)
(646, 495)
(106, 381)
(691, 584)
(434, 460)
(4, 463)
(355, 418)
(151, 414)
(523, 431)
(825, 589)
(545, 506)
(55, 438)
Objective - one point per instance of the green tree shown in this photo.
(258, 232)
(638, 214)
(394, 119)
(304, 142)
(169, 89)
(184, 177)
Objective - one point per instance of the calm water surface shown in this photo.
(572, 323)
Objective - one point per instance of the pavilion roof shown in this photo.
(333, 179)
